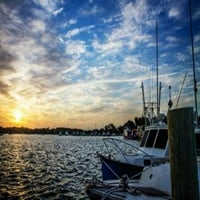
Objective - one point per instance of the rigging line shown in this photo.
(181, 90)
(152, 83)
(111, 169)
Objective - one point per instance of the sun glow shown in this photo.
(17, 115)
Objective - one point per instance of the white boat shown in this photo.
(154, 184)
(154, 145)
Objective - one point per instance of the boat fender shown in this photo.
(124, 182)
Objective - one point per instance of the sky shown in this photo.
(80, 63)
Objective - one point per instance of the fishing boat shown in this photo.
(130, 159)
(154, 184)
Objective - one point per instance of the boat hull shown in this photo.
(113, 169)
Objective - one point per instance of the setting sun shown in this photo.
(17, 115)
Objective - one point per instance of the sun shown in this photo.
(17, 115)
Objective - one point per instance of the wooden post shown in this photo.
(183, 163)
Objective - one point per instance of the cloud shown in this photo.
(90, 11)
(109, 47)
(77, 31)
(51, 6)
(133, 66)
(174, 13)
(30, 54)
(4, 88)
(171, 39)
(128, 33)
(134, 12)
(5, 61)
(68, 23)
(75, 47)
(6, 69)
(58, 11)
(99, 72)
(181, 57)
(72, 21)
(37, 26)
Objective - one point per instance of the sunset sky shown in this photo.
(80, 63)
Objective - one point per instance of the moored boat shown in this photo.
(154, 184)
(154, 145)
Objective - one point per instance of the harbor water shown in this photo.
(47, 166)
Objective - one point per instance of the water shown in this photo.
(47, 167)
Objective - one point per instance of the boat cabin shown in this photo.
(155, 141)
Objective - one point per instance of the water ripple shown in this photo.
(47, 167)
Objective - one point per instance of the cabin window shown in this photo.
(151, 138)
(144, 138)
(161, 140)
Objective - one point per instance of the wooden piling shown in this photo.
(183, 163)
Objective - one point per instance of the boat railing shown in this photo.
(115, 146)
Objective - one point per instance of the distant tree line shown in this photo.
(108, 130)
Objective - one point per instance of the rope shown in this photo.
(108, 192)
(110, 169)
(145, 169)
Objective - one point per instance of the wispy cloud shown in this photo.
(172, 39)
(174, 13)
(77, 31)
(50, 6)
(92, 11)
(37, 26)
(75, 47)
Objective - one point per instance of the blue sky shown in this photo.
(81, 63)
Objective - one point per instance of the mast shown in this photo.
(158, 107)
(193, 62)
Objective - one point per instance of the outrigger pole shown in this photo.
(158, 106)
